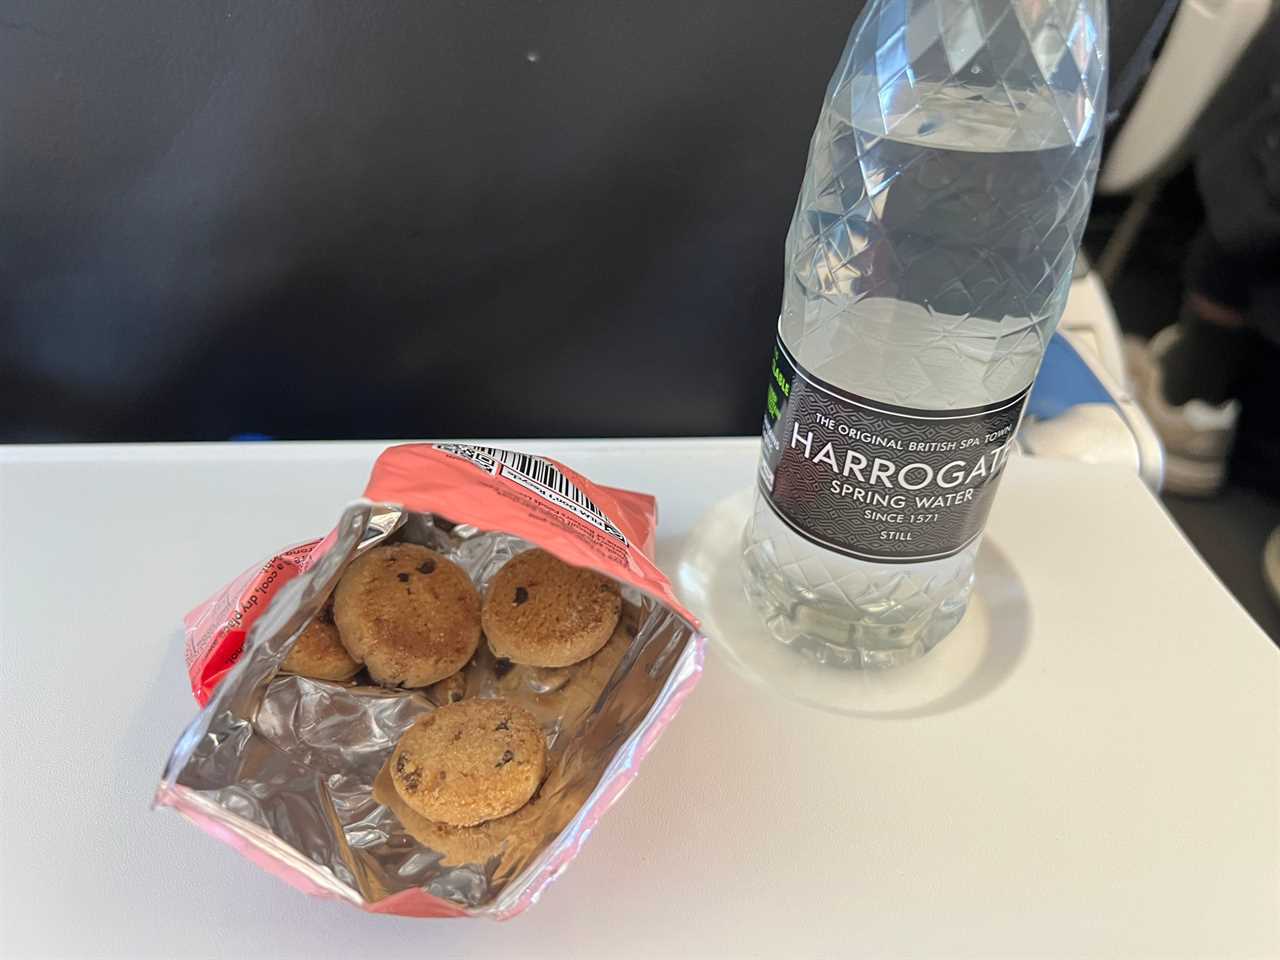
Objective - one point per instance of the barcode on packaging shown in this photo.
(539, 477)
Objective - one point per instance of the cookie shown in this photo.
(408, 614)
(471, 761)
(542, 612)
(318, 653)
(449, 690)
(461, 845)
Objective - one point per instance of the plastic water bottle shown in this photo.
(927, 265)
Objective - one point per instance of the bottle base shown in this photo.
(840, 636)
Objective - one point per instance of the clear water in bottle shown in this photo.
(928, 262)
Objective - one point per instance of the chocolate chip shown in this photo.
(428, 566)
(507, 757)
(402, 577)
(502, 667)
(411, 778)
(504, 725)
(521, 596)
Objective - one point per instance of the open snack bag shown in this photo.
(426, 712)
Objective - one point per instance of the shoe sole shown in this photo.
(1184, 475)
(1271, 565)
(1193, 478)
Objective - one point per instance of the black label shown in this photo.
(876, 481)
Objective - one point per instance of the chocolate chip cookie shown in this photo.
(461, 845)
(542, 612)
(449, 690)
(408, 614)
(470, 761)
(319, 653)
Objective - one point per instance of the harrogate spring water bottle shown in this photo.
(927, 265)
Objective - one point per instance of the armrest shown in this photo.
(1205, 42)
(1078, 411)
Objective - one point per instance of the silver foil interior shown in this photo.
(287, 764)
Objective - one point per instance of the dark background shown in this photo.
(399, 219)
(432, 218)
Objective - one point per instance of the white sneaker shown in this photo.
(1197, 436)
(1271, 563)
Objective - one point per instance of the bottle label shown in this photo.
(875, 481)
